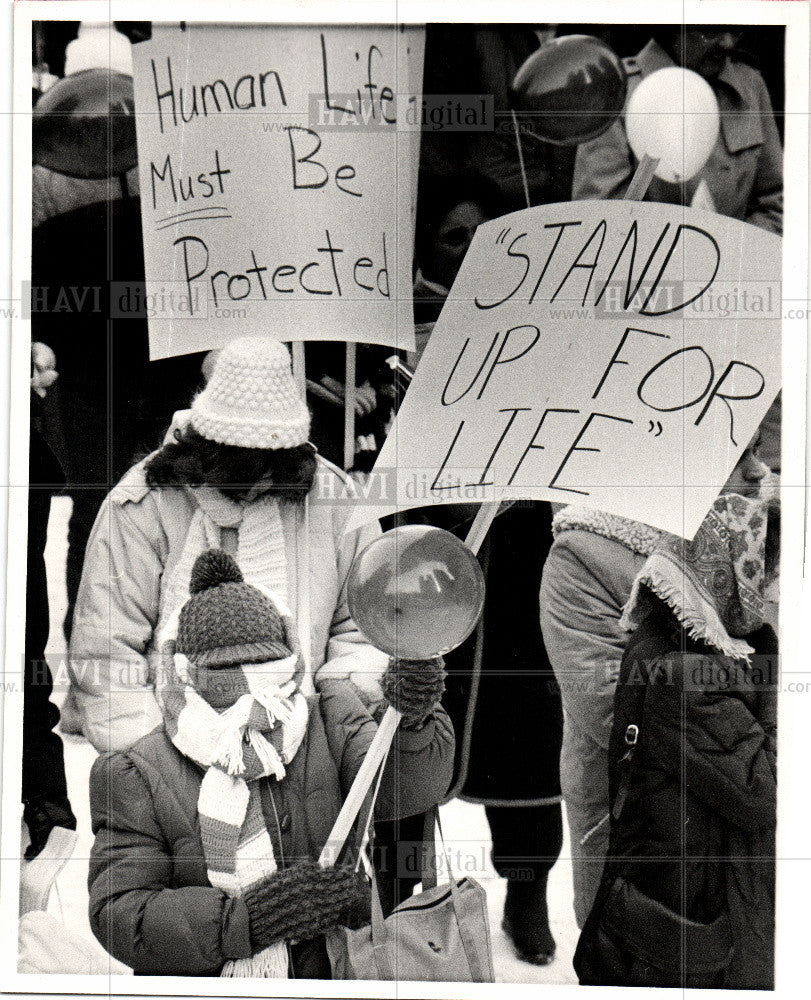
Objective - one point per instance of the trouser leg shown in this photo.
(43, 764)
(526, 844)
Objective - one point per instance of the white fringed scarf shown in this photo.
(260, 554)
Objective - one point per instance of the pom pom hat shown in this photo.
(251, 400)
(227, 622)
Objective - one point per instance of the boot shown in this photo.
(526, 920)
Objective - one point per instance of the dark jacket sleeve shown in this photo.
(419, 769)
(135, 912)
(694, 718)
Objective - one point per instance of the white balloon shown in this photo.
(673, 116)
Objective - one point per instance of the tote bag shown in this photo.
(441, 935)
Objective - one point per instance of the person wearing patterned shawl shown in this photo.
(687, 892)
(587, 579)
(208, 829)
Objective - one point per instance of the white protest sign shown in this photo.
(614, 354)
(277, 175)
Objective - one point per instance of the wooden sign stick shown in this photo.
(350, 393)
(640, 182)
(360, 786)
(299, 372)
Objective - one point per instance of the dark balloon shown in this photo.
(416, 592)
(84, 125)
(570, 90)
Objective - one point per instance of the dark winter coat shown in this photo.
(501, 692)
(151, 904)
(687, 896)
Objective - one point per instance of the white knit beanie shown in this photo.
(251, 400)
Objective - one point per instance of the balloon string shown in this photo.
(521, 158)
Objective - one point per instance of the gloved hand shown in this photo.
(414, 687)
(303, 901)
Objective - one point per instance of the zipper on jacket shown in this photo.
(631, 739)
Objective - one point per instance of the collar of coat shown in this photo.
(740, 114)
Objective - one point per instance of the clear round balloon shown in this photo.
(570, 90)
(673, 116)
(416, 592)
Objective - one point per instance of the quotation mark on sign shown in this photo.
(503, 235)
(652, 428)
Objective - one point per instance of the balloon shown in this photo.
(416, 592)
(571, 90)
(673, 116)
(84, 125)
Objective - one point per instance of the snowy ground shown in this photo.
(464, 825)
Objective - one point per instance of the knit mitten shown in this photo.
(358, 913)
(414, 687)
(301, 902)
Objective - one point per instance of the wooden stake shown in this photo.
(481, 525)
(640, 182)
(360, 786)
(349, 405)
(299, 371)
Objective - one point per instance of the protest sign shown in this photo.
(277, 175)
(614, 354)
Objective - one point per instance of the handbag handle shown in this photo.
(477, 970)
(380, 933)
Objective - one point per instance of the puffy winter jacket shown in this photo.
(137, 540)
(151, 904)
(687, 895)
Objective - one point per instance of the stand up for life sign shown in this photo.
(277, 179)
(614, 354)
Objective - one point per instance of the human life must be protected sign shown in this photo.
(277, 182)
(615, 354)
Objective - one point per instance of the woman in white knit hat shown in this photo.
(238, 473)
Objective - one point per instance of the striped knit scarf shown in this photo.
(254, 738)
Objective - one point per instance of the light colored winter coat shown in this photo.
(136, 542)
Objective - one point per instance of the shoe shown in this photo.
(41, 818)
(526, 922)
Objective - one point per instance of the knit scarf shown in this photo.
(261, 553)
(714, 583)
(255, 737)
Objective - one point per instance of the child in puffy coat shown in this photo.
(208, 829)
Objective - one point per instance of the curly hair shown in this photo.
(193, 460)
